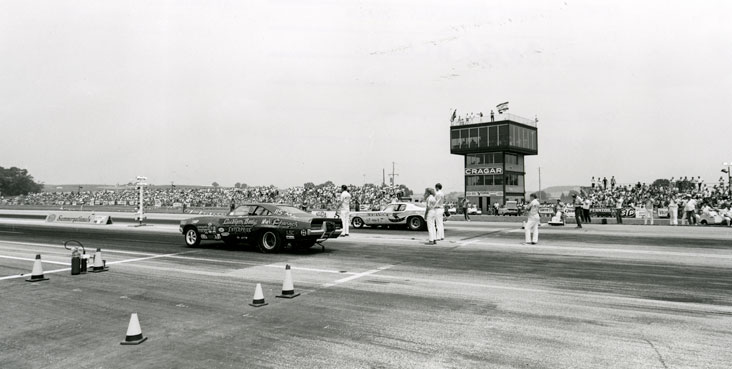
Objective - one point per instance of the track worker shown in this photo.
(466, 203)
(439, 212)
(532, 222)
(649, 211)
(429, 214)
(344, 208)
(673, 212)
(578, 211)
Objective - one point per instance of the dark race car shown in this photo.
(270, 226)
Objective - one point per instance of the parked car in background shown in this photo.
(473, 210)
(510, 208)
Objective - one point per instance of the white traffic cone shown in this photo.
(37, 273)
(134, 333)
(288, 289)
(258, 297)
(99, 264)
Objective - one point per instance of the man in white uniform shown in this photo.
(344, 208)
(532, 223)
(439, 211)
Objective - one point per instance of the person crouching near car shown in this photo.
(429, 214)
(532, 222)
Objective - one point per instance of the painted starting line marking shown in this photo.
(32, 259)
(110, 263)
(356, 276)
(73, 245)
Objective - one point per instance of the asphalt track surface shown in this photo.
(607, 296)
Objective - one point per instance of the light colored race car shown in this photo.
(397, 214)
(713, 218)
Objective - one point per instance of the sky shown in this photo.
(288, 92)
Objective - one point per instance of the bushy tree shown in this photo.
(215, 184)
(15, 181)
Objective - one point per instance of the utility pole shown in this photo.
(539, 184)
(393, 174)
(383, 177)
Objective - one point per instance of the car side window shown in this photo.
(262, 211)
(241, 210)
(400, 207)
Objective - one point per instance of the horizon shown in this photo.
(270, 93)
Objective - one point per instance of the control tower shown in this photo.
(494, 148)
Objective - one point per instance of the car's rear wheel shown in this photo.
(415, 223)
(704, 222)
(269, 242)
(357, 222)
(192, 237)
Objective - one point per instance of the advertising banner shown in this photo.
(79, 218)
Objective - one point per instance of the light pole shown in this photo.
(728, 170)
(141, 186)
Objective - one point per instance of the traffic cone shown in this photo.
(258, 297)
(134, 333)
(288, 289)
(99, 264)
(37, 273)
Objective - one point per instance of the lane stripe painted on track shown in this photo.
(32, 259)
(10, 232)
(356, 276)
(586, 295)
(282, 266)
(110, 263)
(49, 245)
(28, 274)
(152, 257)
(516, 246)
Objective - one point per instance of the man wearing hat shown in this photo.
(578, 211)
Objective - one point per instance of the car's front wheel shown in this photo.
(192, 237)
(357, 222)
(269, 242)
(415, 223)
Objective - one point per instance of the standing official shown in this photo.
(532, 222)
(673, 212)
(619, 210)
(439, 212)
(577, 203)
(649, 211)
(586, 210)
(429, 214)
(466, 203)
(344, 208)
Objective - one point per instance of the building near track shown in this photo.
(494, 148)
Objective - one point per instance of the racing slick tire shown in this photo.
(192, 237)
(269, 242)
(415, 223)
(357, 222)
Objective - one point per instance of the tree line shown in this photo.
(15, 181)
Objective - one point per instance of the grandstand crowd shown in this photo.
(321, 197)
(689, 195)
